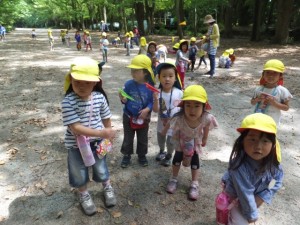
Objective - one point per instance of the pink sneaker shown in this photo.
(172, 186)
(194, 192)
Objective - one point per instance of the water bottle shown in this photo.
(222, 203)
(85, 150)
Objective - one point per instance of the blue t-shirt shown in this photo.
(141, 94)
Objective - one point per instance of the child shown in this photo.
(51, 39)
(162, 51)
(254, 162)
(63, 36)
(104, 46)
(231, 56)
(127, 43)
(170, 92)
(88, 41)
(137, 112)
(190, 132)
(201, 53)
(78, 40)
(182, 60)
(143, 46)
(174, 49)
(153, 55)
(85, 112)
(271, 97)
(68, 38)
(225, 61)
(192, 53)
(115, 42)
(84, 37)
(33, 34)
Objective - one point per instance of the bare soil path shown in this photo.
(34, 185)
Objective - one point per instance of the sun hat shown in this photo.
(230, 51)
(209, 19)
(142, 62)
(226, 53)
(193, 39)
(127, 34)
(82, 68)
(195, 93)
(104, 34)
(177, 83)
(131, 34)
(143, 41)
(152, 43)
(182, 42)
(261, 122)
(273, 65)
(176, 46)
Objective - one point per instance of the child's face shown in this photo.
(184, 48)
(256, 146)
(138, 75)
(152, 48)
(271, 77)
(83, 88)
(167, 78)
(193, 110)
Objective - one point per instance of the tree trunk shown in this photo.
(228, 20)
(284, 9)
(140, 13)
(256, 35)
(150, 15)
(180, 17)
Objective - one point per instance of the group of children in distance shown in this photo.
(183, 127)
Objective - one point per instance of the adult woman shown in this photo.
(213, 38)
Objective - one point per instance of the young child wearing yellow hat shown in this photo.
(271, 97)
(85, 112)
(138, 103)
(190, 129)
(254, 162)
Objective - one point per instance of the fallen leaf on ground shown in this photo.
(116, 214)
(59, 214)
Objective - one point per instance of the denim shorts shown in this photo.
(79, 173)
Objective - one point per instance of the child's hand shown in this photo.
(143, 114)
(155, 96)
(122, 99)
(108, 133)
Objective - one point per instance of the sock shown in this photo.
(84, 193)
(195, 182)
(106, 184)
(174, 178)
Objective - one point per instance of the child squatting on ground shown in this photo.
(271, 97)
(165, 105)
(85, 112)
(190, 129)
(138, 102)
(254, 162)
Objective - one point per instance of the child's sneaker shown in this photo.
(143, 161)
(109, 195)
(167, 161)
(125, 161)
(194, 192)
(88, 205)
(172, 186)
(160, 156)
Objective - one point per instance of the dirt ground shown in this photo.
(34, 185)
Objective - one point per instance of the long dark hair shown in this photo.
(238, 155)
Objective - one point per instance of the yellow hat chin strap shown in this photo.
(67, 81)
(278, 151)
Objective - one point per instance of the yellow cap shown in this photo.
(193, 39)
(176, 46)
(230, 51)
(85, 69)
(131, 34)
(226, 53)
(274, 65)
(142, 62)
(261, 122)
(195, 93)
(127, 34)
(143, 41)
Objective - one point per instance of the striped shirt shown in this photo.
(211, 50)
(74, 110)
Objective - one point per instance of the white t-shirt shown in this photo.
(280, 93)
(169, 108)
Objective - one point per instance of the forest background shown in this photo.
(277, 20)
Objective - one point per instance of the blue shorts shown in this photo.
(79, 173)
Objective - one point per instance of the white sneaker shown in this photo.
(88, 205)
(109, 195)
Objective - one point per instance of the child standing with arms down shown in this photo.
(201, 53)
(164, 104)
(190, 132)
(182, 59)
(271, 97)
(153, 55)
(85, 112)
(137, 111)
(88, 41)
(78, 40)
(143, 46)
(254, 162)
(51, 39)
(104, 46)
(193, 49)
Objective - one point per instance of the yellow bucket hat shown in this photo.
(142, 62)
(273, 65)
(143, 41)
(193, 39)
(85, 69)
(176, 46)
(261, 122)
(195, 93)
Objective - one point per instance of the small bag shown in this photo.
(136, 123)
(103, 148)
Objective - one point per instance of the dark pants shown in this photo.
(129, 133)
(212, 60)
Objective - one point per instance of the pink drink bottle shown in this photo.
(85, 150)
(222, 203)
